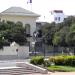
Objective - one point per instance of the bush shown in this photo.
(63, 60)
(69, 60)
(58, 60)
(38, 60)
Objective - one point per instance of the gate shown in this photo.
(37, 49)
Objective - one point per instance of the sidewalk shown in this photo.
(63, 73)
(56, 73)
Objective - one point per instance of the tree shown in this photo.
(70, 39)
(19, 38)
(12, 32)
(57, 39)
(72, 28)
(61, 34)
(48, 32)
(69, 21)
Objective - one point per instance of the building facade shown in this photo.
(16, 14)
(57, 16)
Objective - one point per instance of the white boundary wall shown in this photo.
(9, 52)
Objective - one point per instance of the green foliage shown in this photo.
(61, 68)
(70, 38)
(57, 39)
(62, 34)
(12, 32)
(63, 60)
(72, 28)
(69, 60)
(69, 21)
(58, 60)
(48, 32)
(38, 60)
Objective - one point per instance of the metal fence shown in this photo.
(46, 50)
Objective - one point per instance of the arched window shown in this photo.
(27, 27)
(19, 23)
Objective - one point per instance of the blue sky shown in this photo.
(42, 7)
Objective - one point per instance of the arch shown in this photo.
(19, 23)
(27, 27)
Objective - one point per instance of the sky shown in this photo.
(41, 7)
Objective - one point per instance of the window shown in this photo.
(58, 18)
(55, 18)
(27, 27)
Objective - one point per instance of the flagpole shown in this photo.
(31, 7)
(30, 4)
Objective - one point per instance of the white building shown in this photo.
(16, 14)
(57, 16)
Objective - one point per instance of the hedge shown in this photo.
(37, 60)
(63, 60)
